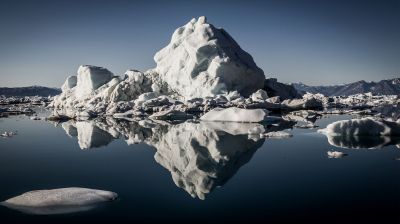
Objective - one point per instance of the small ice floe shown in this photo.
(170, 115)
(276, 135)
(299, 104)
(35, 118)
(8, 134)
(336, 154)
(306, 126)
(59, 201)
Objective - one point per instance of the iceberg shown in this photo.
(369, 133)
(202, 68)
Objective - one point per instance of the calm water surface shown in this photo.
(201, 172)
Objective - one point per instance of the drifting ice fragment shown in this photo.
(59, 201)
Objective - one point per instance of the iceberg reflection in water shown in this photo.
(362, 142)
(199, 155)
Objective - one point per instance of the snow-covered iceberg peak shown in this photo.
(202, 60)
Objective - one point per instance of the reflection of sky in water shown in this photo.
(259, 178)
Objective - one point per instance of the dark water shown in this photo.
(239, 179)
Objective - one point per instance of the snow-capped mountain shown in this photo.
(383, 87)
(29, 91)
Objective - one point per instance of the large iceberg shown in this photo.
(202, 68)
(202, 60)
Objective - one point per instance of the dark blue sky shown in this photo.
(315, 42)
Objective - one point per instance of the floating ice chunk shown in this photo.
(362, 127)
(259, 96)
(298, 104)
(59, 201)
(90, 78)
(202, 60)
(145, 97)
(236, 115)
(306, 126)
(8, 134)
(336, 154)
(232, 95)
(170, 115)
(256, 130)
(276, 134)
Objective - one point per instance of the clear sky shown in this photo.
(315, 42)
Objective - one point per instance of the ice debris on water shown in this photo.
(8, 134)
(336, 154)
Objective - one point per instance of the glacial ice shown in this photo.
(90, 78)
(202, 68)
(69, 83)
(234, 114)
(202, 60)
(300, 104)
(59, 201)
(259, 96)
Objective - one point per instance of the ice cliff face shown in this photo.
(90, 78)
(202, 60)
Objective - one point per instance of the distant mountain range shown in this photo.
(29, 91)
(384, 87)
